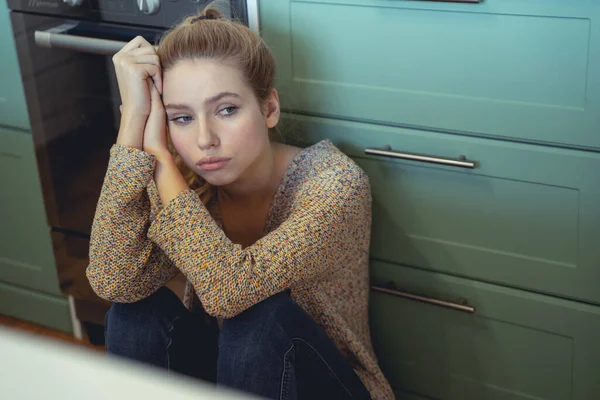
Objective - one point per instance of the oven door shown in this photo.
(73, 102)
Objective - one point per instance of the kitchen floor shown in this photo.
(35, 329)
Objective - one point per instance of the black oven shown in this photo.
(65, 50)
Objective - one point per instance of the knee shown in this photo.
(257, 336)
(131, 325)
(163, 304)
(260, 325)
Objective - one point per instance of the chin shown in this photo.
(218, 179)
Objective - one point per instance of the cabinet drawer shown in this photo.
(515, 346)
(527, 216)
(505, 68)
(26, 255)
(13, 111)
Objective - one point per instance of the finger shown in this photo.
(157, 79)
(150, 84)
(127, 57)
(157, 118)
(147, 70)
(121, 108)
(134, 43)
(155, 74)
(148, 56)
(156, 101)
(147, 59)
(142, 50)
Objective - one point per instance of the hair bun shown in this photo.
(212, 13)
(207, 13)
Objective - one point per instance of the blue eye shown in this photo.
(183, 120)
(228, 111)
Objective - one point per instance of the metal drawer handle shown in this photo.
(461, 162)
(428, 300)
(457, 1)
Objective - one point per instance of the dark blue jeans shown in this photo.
(274, 349)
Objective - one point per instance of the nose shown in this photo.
(206, 137)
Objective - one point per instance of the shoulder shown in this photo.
(323, 170)
(329, 165)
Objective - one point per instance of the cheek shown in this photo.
(182, 144)
(251, 135)
(248, 146)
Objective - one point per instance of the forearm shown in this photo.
(131, 129)
(229, 279)
(168, 179)
(124, 265)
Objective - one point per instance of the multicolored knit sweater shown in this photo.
(316, 244)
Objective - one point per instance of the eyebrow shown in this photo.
(208, 101)
(218, 97)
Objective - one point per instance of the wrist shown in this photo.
(164, 158)
(134, 113)
(169, 180)
(131, 130)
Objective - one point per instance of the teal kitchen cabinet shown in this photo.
(516, 345)
(25, 243)
(478, 126)
(526, 216)
(29, 286)
(528, 70)
(13, 111)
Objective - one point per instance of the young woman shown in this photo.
(272, 239)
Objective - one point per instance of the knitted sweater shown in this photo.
(316, 244)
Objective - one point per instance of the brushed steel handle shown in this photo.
(57, 38)
(456, 1)
(78, 43)
(423, 299)
(452, 162)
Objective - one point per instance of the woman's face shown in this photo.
(215, 121)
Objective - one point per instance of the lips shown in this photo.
(213, 163)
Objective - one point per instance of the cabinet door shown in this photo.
(505, 68)
(13, 111)
(527, 216)
(515, 346)
(26, 256)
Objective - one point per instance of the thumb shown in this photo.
(155, 98)
(156, 122)
(157, 108)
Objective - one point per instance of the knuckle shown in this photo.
(140, 72)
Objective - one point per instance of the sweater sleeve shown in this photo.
(309, 244)
(125, 266)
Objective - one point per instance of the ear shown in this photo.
(273, 110)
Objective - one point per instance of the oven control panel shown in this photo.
(152, 13)
(114, 6)
(73, 3)
(148, 6)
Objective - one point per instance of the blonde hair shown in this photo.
(211, 35)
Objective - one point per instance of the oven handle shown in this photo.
(79, 44)
(55, 38)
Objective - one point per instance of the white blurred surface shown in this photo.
(32, 367)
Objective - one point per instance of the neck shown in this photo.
(257, 183)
